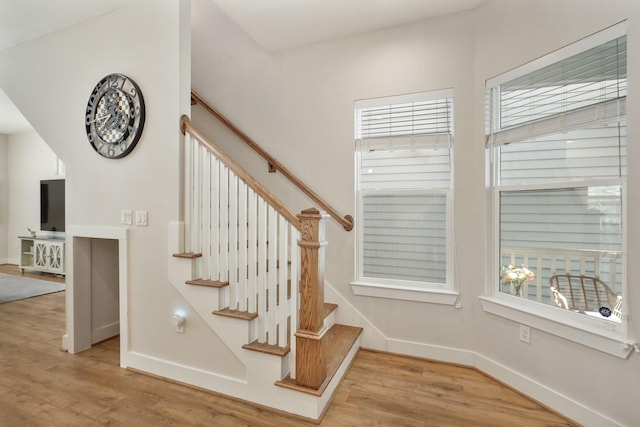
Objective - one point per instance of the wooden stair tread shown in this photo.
(206, 282)
(328, 308)
(267, 348)
(187, 255)
(339, 341)
(237, 314)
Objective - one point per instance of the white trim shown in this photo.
(405, 292)
(78, 335)
(432, 352)
(404, 99)
(593, 333)
(606, 35)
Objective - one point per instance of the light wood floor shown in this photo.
(43, 386)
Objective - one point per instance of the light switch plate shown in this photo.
(125, 217)
(141, 218)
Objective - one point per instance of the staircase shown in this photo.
(253, 271)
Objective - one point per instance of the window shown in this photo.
(556, 131)
(404, 166)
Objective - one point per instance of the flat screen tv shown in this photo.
(52, 205)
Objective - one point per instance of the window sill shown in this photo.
(579, 328)
(405, 292)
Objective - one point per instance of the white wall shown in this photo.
(148, 41)
(298, 104)
(29, 160)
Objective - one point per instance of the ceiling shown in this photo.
(282, 24)
(274, 24)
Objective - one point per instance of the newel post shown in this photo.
(311, 361)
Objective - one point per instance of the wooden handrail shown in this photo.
(272, 200)
(274, 165)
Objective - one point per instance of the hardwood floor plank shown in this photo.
(43, 386)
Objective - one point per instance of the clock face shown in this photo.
(115, 116)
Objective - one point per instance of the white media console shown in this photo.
(44, 254)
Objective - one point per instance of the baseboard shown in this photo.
(433, 352)
(105, 332)
(275, 398)
(185, 374)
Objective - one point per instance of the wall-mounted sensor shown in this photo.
(177, 320)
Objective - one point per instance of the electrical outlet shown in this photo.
(525, 334)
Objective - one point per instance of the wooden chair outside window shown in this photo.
(584, 293)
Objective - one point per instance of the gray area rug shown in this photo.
(13, 288)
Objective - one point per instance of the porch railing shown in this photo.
(546, 262)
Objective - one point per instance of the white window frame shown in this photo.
(438, 293)
(609, 337)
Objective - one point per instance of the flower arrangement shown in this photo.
(517, 276)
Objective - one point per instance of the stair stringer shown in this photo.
(372, 337)
(262, 370)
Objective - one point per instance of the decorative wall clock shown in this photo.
(115, 116)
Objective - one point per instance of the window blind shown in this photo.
(583, 154)
(405, 122)
(403, 146)
(405, 237)
(587, 88)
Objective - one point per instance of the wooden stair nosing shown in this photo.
(236, 314)
(340, 339)
(207, 282)
(328, 308)
(267, 348)
(187, 255)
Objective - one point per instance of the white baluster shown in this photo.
(214, 232)
(283, 273)
(188, 190)
(272, 274)
(252, 251)
(262, 270)
(233, 241)
(295, 286)
(205, 263)
(223, 228)
(242, 246)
